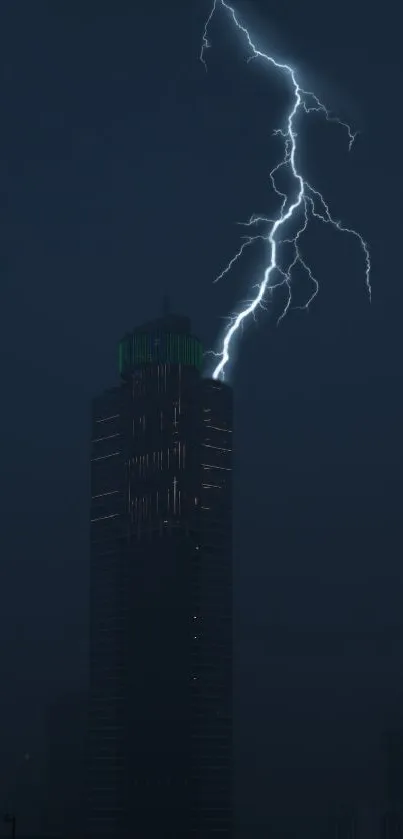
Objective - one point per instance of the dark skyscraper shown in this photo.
(392, 827)
(161, 593)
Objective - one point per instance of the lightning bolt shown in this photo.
(308, 203)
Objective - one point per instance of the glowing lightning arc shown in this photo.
(309, 203)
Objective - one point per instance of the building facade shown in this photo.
(392, 819)
(160, 729)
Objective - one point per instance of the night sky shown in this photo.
(124, 168)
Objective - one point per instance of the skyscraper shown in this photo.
(392, 821)
(161, 593)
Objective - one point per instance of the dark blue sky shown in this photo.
(123, 170)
